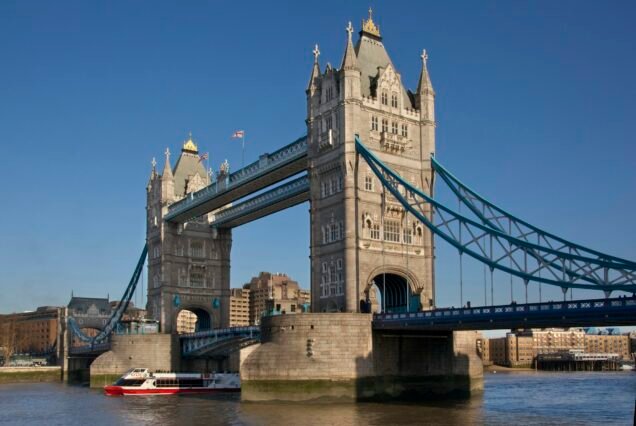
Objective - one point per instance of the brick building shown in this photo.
(30, 332)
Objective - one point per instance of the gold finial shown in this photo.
(189, 145)
(369, 26)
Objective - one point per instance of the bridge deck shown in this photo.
(280, 198)
(578, 313)
(268, 170)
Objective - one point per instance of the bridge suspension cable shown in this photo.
(116, 314)
(499, 250)
(498, 218)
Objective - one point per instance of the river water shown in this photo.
(526, 398)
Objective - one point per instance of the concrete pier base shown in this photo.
(338, 356)
(153, 351)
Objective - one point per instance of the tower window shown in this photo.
(196, 276)
(329, 123)
(374, 123)
(375, 231)
(405, 130)
(329, 93)
(394, 128)
(394, 100)
(196, 250)
(384, 98)
(385, 125)
(368, 183)
(392, 231)
(408, 235)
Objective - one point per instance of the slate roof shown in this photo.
(372, 55)
(187, 166)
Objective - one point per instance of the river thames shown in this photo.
(524, 398)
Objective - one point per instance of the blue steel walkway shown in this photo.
(577, 313)
(268, 170)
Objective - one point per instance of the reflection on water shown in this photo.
(517, 398)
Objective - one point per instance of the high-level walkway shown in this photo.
(268, 170)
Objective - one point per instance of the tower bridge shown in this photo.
(367, 167)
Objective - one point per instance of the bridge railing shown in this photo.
(265, 163)
(449, 313)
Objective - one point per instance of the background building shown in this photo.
(32, 333)
(239, 307)
(521, 348)
(267, 293)
(186, 322)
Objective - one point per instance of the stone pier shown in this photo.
(337, 355)
(153, 351)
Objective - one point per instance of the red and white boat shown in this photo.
(140, 381)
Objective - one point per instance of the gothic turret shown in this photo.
(349, 60)
(167, 180)
(350, 80)
(425, 95)
(314, 79)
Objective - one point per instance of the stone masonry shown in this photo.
(357, 231)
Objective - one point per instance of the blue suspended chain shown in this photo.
(496, 248)
(497, 218)
(117, 314)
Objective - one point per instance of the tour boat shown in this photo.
(140, 381)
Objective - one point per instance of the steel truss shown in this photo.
(499, 248)
(116, 315)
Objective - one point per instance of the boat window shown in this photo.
(129, 382)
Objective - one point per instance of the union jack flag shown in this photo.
(203, 157)
(238, 134)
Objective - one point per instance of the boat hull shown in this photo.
(120, 390)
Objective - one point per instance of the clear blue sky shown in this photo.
(535, 105)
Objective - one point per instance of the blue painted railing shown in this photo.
(487, 317)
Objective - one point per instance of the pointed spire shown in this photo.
(153, 171)
(315, 71)
(424, 86)
(349, 60)
(167, 170)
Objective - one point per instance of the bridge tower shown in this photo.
(189, 263)
(362, 240)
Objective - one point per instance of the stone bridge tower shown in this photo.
(363, 243)
(189, 263)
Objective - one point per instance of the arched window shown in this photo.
(418, 234)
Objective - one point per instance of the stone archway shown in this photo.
(192, 319)
(395, 290)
